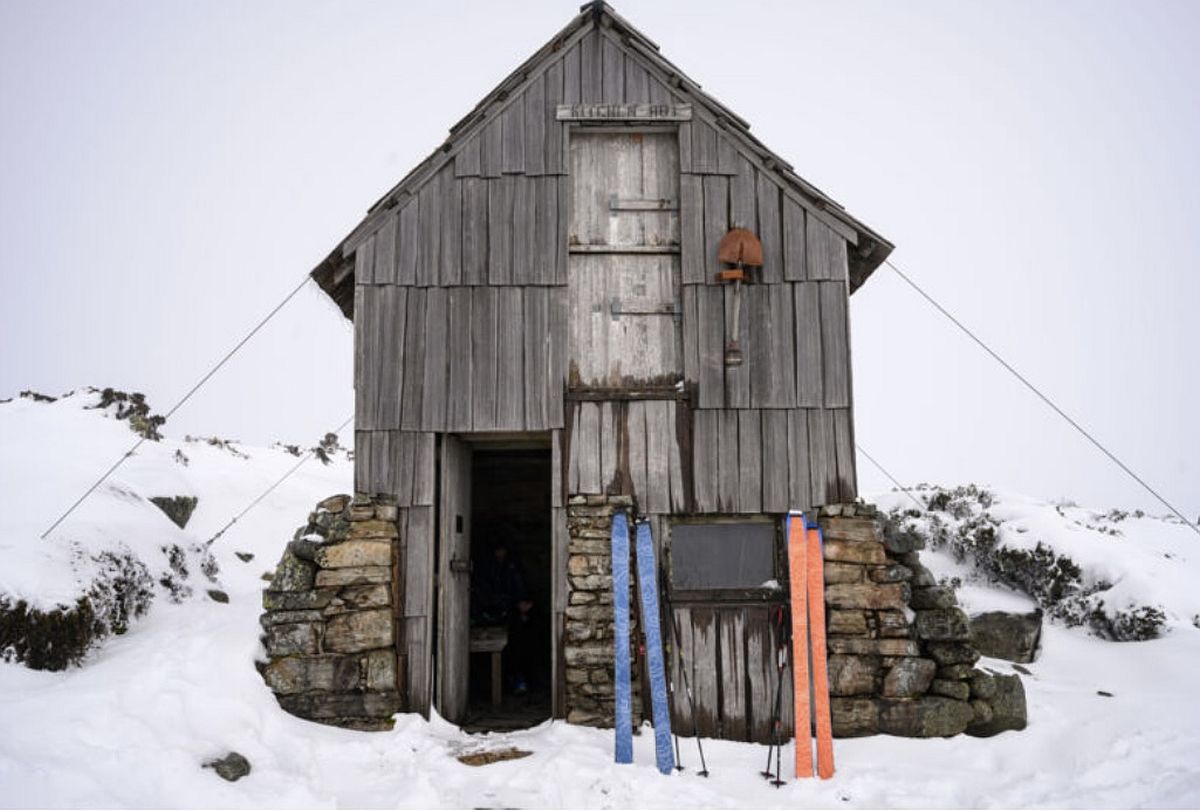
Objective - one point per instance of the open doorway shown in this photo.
(511, 589)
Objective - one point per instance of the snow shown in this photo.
(132, 726)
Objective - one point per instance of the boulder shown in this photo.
(359, 631)
(854, 717)
(952, 653)
(908, 677)
(852, 675)
(943, 624)
(925, 717)
(1008, 709)
(866, 595)
(1008, 636)
(232, 767)
(293, 574)
(933, 597)
(949, 688)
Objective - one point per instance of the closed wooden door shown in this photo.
(623, 271)
(454, 579)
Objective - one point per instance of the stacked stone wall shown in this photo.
(328, 624)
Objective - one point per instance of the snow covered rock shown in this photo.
(1007, 635)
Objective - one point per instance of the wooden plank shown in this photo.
(681, 711)
(737, 378)
(706, 459)
(659, 92)
(483, 358)
(560, 538)
(822, 456)
(557, 495)
(524, 229)
(367, 389)
(475, 231)
(536, 330)
(360, 352)
(760, 369)
(799, 464)
(760, 673)
(501, 192)
(691, 334)
(710, 323)
(716, 222)
(810, 386)
(572, 87)
(433, 386)
(403, 461)
(613, 78)
(510, 360)
(795, 262)
(535, 126)
(390, 318)
(638, 454)
(561, 259)
(424, 470)
(556, 381)
(591, 68)
(771, 346)
(750, 462)
(704, 147)
(775, 462)
(770, 228)
(679, 486)
(412, 396)
(362, 460)
(466, 162)
(843, 433)
(691, 224)
(685, 147)
(734, 721)
(451, 237)
(542, 262)
(512, 151)
(491, 155)
(727, 462)
(611, 436)
(364, 262)
(743, 197)
(835, 343)
(585, 449)
(727, 156)
(418, 569)
(385, 252)
(553, 162)
(637, 83)
(377, 481)
(705, 666)
(459, 378)
(419, 675)
(826, 253)
(408, 242)
(429, 234)
(660, 444)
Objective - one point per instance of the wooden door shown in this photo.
(454, 579)
(623, 272)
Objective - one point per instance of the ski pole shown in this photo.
(687, 688)
(668, 612)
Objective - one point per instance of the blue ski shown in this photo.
(648, 586)
(623, 723)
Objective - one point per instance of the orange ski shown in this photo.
(797, 547)
(820, 672)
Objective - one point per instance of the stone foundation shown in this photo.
(900, 653)
(328, 617)
(589, 629)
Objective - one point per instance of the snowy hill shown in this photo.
(1111, 723)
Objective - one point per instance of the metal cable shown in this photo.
(920, 504)
(1042, 397)
(269, 490)
(176, 407)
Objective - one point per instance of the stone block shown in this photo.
(955, 672)
(354, 554)
(909, 677)
(1008, 709)
(373, 529)
(983, 713)
(1008, 636)
(587, 656)
(892, 573)
(334, 504)
(943, 625)
(291, 640)
(866, 595)
(863, 552)
(381, 670)
(354, 576)
(305, 549)
(902, 542)
(321, 706)
(387, 512)
(843, 573)
(852, 529)
(853, 675)
(854, 717)
(931, 597)
(296, 600)
(293, 574)
(950, 688)
(892, 623)
(925, 717)
(883, 647)
(848, 623)
(591, 582)
(952, 653)
(983, 685)
(359, 631)
(576, 675)
(922, 577)
(287, 617)
(359, 597)
(300, 674)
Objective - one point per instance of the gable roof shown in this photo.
(867, 248)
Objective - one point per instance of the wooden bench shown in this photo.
(491, 639)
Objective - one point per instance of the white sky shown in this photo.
(169, 170)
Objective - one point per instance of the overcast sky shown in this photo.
(170, 170)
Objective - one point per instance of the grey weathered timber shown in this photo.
(558, 361)
(704, 147)
(716, 222)
(460, 378)
(360, 358)
(364, 262)
(451, 229)
(552, 150)
(418, 599)
(429, 234)
(703, 648)
(795, 259)
(760, 672)
(524, 226)
(822, 456)
(475, 231)
(743, 196)
(810, 373)
(385, 252)
(424, 461)
(501, 192)
(437, 359)
(776, 471)
(591, 68)
(483, 358)
(585, 450)
(680, 486)
(800, 490)
(362, 458)
(571, 74)
(706, 459)
(661, 448)
(685, 147)
(612, 435)
(612, 86)
(750, 461)
(390, 318)
(454, 547)
(728, 491)
(727, 155)
(491, 155)
(825, 251)
(413, 361)
(635, 429)
(843, 432)
(535, 126)
(408, 243)
(510, 360)
(770, 228)
(710, 326)
(835, 343)
(637, 83)
(512, 158)
(466, 162)
(737, 378)
(543, 260)
(732, 667)
(536, 328)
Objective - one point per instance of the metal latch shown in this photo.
(461, 566)
(673, 309)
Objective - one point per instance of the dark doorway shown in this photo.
(510, 589)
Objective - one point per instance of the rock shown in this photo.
(983, 712)
(893, 573)
(296, 600)
(292, 639)
(374, 528)
(1008, 636)
(902, 542)
(945, 624)
(353, 598)
(910, 676)
(381, 670)
(293, 574)
(328, 706)
(232, 767)
(218, 596)
(883, 647)
(892, 623)
(952, 653)
(296, 674)
(955, 672)
(1008, 708)
(849, 623)
(866, 595)
(359, 631)
(245, 557)
(949, 688)
(852, 529)
(925, 717)
(983, 685)
(853, 675)
(1024, 671)
(354, 553)
(868, 552)
(854, 717)
(354, 576)
(178, 508)
(387, 512)
(933, 597)
(334, 504)
(836, 572)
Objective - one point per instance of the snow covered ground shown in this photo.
(131, 727)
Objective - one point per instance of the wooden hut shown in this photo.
(543, 333)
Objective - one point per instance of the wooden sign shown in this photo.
(624, 112)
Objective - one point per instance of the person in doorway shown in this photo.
(502, 598)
